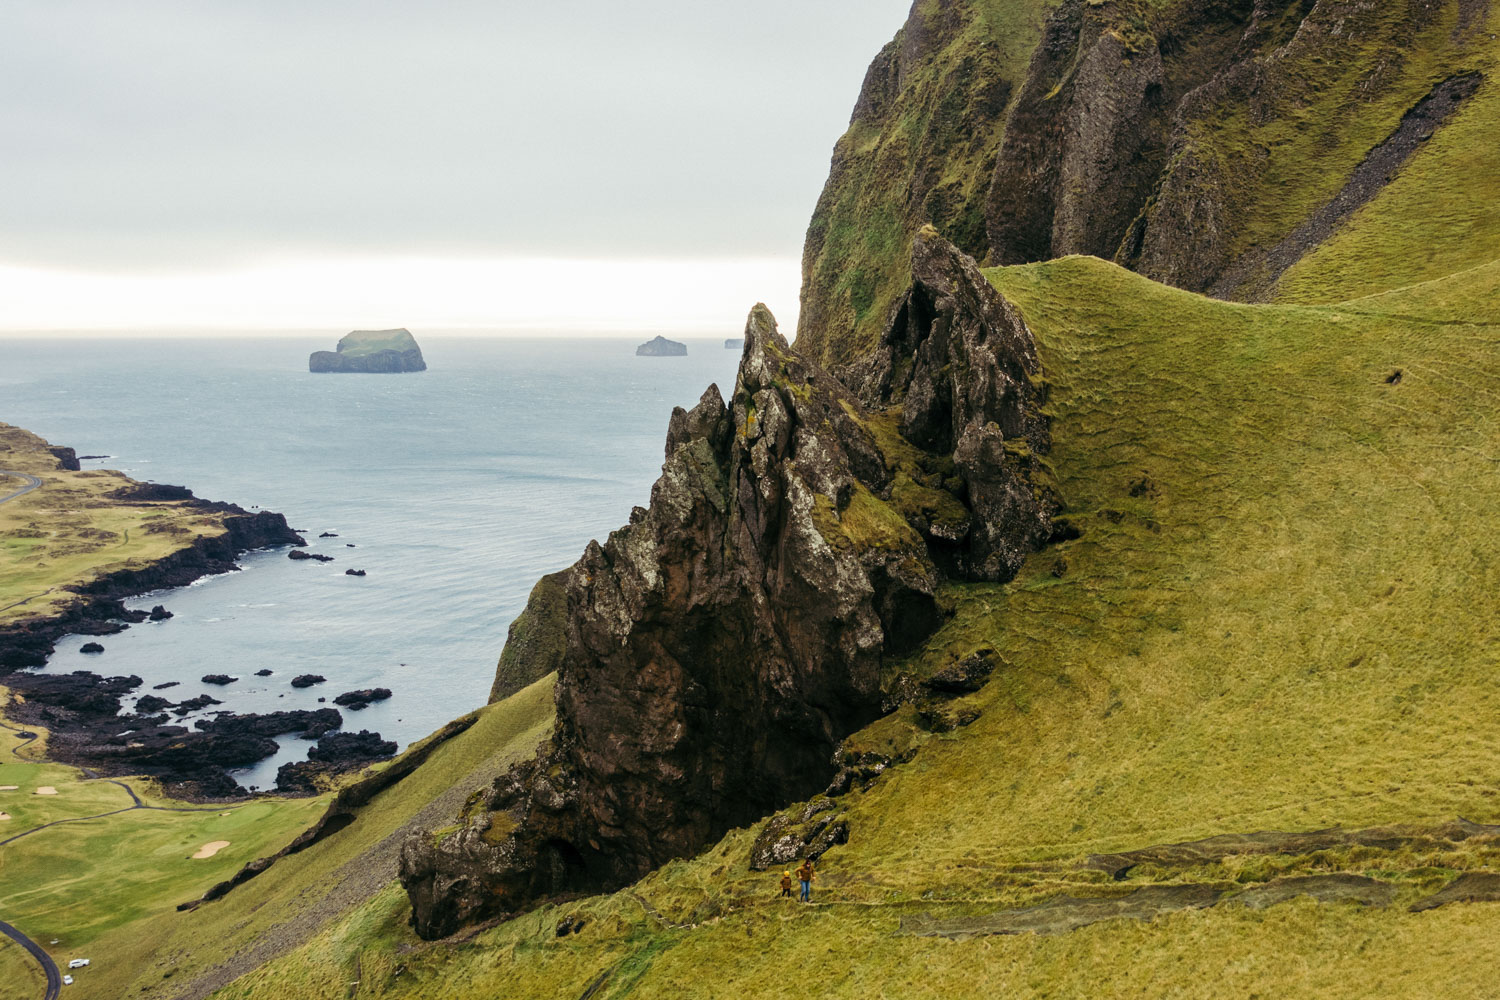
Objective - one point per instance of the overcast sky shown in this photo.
(282, 161)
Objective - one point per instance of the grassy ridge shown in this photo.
(1279, 615)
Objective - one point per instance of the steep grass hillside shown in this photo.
(1278, 616)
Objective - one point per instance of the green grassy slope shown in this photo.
(1279, 615)
(1439, 215)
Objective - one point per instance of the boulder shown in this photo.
(91, 647)
(307, 680)
(356, 700)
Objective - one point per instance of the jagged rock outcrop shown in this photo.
(720, 646)
(371, 352)
(960, 361)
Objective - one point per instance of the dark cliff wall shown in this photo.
(721, 645)
(920, 148)
(1191, 141)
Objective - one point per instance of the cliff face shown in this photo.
(371, 351)
(920, 148)
(721, 645)
(1206, 145)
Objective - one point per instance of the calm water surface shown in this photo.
(457, 488)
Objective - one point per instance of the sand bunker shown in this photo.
(4, 817)
(8, 788)
(46, 790)
(211, 848)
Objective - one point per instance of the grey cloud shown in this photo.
(162, 134)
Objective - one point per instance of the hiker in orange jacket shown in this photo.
(786, 885)
(805, 875)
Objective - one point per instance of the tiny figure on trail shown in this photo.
(786, 885)
(805, 875)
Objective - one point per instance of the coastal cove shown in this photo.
(453, 491)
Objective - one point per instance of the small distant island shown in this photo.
(734, 343)
(371, 351)
(661, 347)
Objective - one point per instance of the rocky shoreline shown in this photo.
(82, 710)
(101, 609)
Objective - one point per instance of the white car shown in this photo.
(67, 980)
(78, 963)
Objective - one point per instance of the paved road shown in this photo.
(32, 482)
(54, 977)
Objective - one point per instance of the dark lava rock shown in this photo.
(194, 704)
(371, 352)
(307, 680)
(308, 724)
(299, 777)
(965, 676)
(661, 347)
(349, 545)
(329, 534)
(159, 614)
(355, 700)
(362, 746)
(304, 554)
(67, 458)
(91, 647)
(805, 832)
(961, 362)
(163, 687)
(335, 753)
(78, 692)
(733, 633)
(148, 703)
(354, 572)
(263, 672)
(153, 493)
(219, 679)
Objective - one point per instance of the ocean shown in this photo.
(453, 488)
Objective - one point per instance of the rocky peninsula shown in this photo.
(371, 352)
(145, 537)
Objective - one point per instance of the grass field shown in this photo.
(1279, 615)
(69, 532)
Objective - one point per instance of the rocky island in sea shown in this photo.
(366, 351)
(661, 347)
(734, 343)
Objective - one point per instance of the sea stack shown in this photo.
(661, 347)
(734, 343)
(371, 351)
